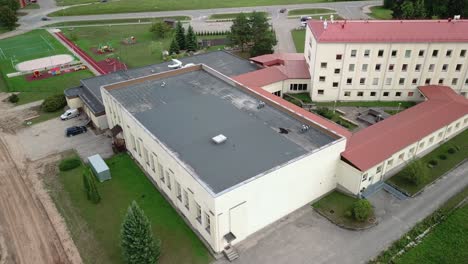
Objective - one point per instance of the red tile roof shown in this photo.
(277, 58)
(262, 77)
(377, 143)
(359, 31)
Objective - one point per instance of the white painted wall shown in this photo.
(75, 102)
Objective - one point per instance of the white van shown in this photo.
(70, 113)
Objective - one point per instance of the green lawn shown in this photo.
(124, 6)
(403, 104)
(231, 15)
(379, 12)
(442, 167)
(338, 207)
(298, 36)
(96, 228)
(304, 97)
(114, 21)
(43, 116)
(310, 11)
(147, 50)
(447, 243)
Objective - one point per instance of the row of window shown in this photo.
(298, 87)
(373, 94)
(407, 54)
(167, 177)
(389, 81)
(391, 67)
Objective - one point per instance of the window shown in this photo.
(401, 81)
(449, 129)
(418, 67)
(362, 81)
(152, 162)
(337, 71)
(351, 67)
(373, 93)
(168, 180)
(431, 140)
(390, 162)
(407, 53)
(308, 54)
(410, 94)
(198, 212)
(321, 78)
(457, 125)
(339, 56)
(394, 53)
(186, 200)
(391, 67)
(178, 191)
(385, 94)
(421, 53)
(323, 65)
(411, 151)
(139, 146)
(388, 81)
(278, 93)
(349, 81)
(379, 169)
(431, 67)
(454, 81)
(414, 81)
(364, 177)
(440, 134)
(347, 94)
(398, 94)
(360, 94)
(428, 81)
(435, 53)
(207, 223)
(366, 53)
(448, 53)
(421, 145)
(370, 178)
(458, 67)
(353, 53)
(377, 67)
(132, 138)
(161, 173)
(380, 53)
(444, 67)
(320, 92)
(463, 53)
(441, 81)
(466, 81)
(298, 87)
(402, 156)
(146, 156)
(375, 81)
(404, 67)
(335, 84)
(364, 67)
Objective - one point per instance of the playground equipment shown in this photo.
(105, 48)
(55, 71)
(130, 41)
(36, 74)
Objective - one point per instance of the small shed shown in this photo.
(99, 168)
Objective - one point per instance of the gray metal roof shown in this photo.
(98, 163)
(222, 61)
(192, 108)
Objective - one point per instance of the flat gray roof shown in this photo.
(193, 107)
(224, 62)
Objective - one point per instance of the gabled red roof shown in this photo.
(377, 143)
(261, 77)
(359, 31)
(277, 58)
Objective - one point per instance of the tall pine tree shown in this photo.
(180, 35)
(191, 41)
(240, 34)
(263, 36)
(138, 244)
(174, 48)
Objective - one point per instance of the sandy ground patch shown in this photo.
(45, 62)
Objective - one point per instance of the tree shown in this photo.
(263, 36)
(416, 172)
(456, 7)
(138, 244)
(419, 9)
(407, 9)
(12, 4)
(160, 29)
(362, 210)
(7, 17)
(240, 34)
(174, 48)
(388, 4)
(191, 41)
(180, 36)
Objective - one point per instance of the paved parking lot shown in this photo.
(46, 138)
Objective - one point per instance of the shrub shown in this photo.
(348, 213)
(442, 156)
(451, 151)
(68, 164)
(54, 103)
(415, 172)
(89, 184)
(325, 112)
(13, 98)
(362, 210)
(433, 162)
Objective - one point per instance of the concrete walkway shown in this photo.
(306, 237)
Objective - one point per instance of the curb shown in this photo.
(344, 226)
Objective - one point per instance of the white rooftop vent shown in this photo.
(456, 17)
(325, 24)
(219, 139)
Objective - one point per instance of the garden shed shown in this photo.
(99, 168)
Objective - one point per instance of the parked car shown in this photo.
(305, 18)
(282, 10)
(75, 130)
(45, 18)
(70, 113)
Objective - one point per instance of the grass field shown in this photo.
(447, 243)
(123, 6)
(95, 229)
(298, 36)
(147, 50)
(114, 21)
(310, 11)
(442, 167)
(231, 15)
(379, 12)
